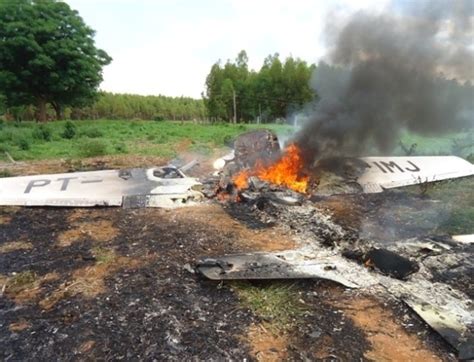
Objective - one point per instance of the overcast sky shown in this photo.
(168, 47)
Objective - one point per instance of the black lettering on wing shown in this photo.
(90, 181)
(380, 167)
(414, 169)
(391, 166)
(65, 181)
(36, 183)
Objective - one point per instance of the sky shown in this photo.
(168, 47)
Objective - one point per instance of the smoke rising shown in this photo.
(410, 68)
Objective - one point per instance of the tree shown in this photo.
(213, 97)
(48, 56)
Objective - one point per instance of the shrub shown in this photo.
(24, 144)
(92, 133)
(158, 118)
(69, 130)
(228, 140)
(6, 135)
(42, 133)
(91, 148)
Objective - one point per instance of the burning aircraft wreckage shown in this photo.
(431, 274)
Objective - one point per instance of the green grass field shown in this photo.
(31, 141)
(446, 144)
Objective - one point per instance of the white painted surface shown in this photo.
(94, 188)
(391, 172)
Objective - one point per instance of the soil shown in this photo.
(389, 340)
(112, 283)
(266, 345)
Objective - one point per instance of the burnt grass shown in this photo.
(155, 309)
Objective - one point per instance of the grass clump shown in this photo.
(276, 303)
(69, 130)
(21, 281)
(93, 148)
(103, 255)
(92, 133)
(24, 144)
(42, 133)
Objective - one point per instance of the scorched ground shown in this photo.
(117, 284)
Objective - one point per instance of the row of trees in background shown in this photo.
(236, 93)
(129, 106)
(121, 106)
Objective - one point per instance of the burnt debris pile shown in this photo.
(259, 166)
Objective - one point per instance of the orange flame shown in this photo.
(241, 179)
(285, 172)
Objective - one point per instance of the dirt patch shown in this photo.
(326, 348)
(266, 345)
(99, 231)
(86, 164)
(19, 326)
(183, 145)
(14, 246)
(86, 346)
(5, 219)
(389, 341)
(26, 287)
(343, 209)
(267, 239)
(83, 214)
(89, 281)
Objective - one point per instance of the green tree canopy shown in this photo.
(48, 55)
(275, 91)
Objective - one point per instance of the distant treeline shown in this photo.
(123, 106)
(235, 93)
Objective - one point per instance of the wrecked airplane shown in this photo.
(155, 187)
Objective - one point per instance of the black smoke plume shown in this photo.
(410, 68)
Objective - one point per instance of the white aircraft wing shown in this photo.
(154, 187)
(391, 172)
